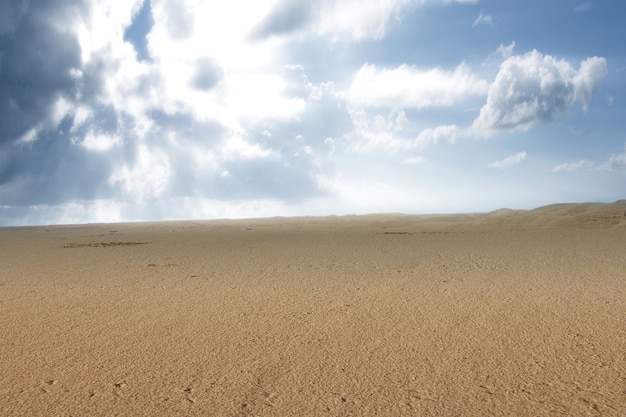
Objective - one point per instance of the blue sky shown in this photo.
(187, 109)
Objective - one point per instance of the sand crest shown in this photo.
(504, 313)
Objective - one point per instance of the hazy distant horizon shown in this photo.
(63, 221)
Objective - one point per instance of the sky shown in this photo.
(148, 110)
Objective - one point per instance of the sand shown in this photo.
(504, 313)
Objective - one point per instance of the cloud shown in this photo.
(377, 131)
(51, 170)
(534, 88)
(259, 96)
(11, 13)
(583, 7)
(445, 133)
(206, 74)
(85, 119)
(574, 166)
(176, 17)
(36, 71)
(147, 177)
(414, 160)
(506, 51)
(591, 72)
(579, 133)
(484, 19)
(101, 27)
(610, 100)
(614, 162)
(98, 141)
(508, 161)
(173, 108)
(355, 20)
(409, 87)
(380, 131)
(237, 148)
(50, 109)
(334, 20)
(285, 17)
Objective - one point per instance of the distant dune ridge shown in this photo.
(513, 312)
(574, 214)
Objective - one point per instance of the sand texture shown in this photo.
(505, 313)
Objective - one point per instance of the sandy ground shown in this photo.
(506, 313)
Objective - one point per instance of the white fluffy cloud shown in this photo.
(410, 87)
(508, 161)
(528, 89)
(535, 88)
(591, 72)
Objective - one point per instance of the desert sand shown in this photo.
(504, 313)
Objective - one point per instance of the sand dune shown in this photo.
(504, 313)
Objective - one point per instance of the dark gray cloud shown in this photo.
(57, 167)
(11, 13)
(41, 68)
(52, 170)
(287, 16)
(35, 72)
